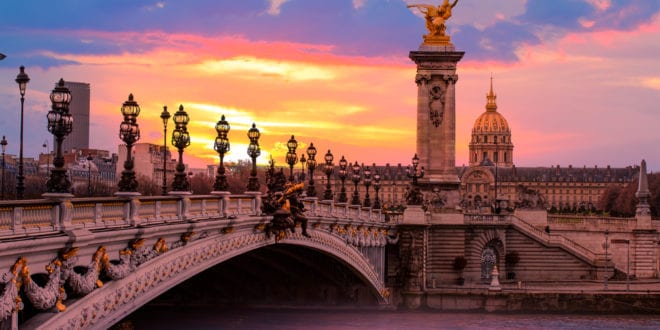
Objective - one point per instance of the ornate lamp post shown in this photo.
(328, 168)
(415, 196)
(165, 116)
(22, 79)
(291, 157)
(367, 184)
(311, 166)
(47, 149)
(342, 176)
(413, 173)
(376, 188)
(254, 151)
(303, 162)
(60, 124)
(181, 140)
(606, 245)
(356, 179)
(129, 132)
(89, 175)
(221, 146)
(4, 147)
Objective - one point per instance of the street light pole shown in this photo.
(311, 166)
(291, 156)
(367, 184)
(47, 148)
(89, 175)
(181, 140)
(165, 116)
(221, 146)
(328, 168)
(356, 180)
(129, 132)
(606, 245)
(254, 151)
(22, 79)
(342, 176)
(4, 146)
(60, 124)
(377, 205)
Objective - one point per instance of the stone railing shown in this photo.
(487, 219)
(578, 222)
(555, 240)
(34, 217)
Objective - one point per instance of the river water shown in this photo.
(290, 319)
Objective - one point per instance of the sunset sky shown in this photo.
(577, 80)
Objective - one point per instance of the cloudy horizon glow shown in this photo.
(577, 80)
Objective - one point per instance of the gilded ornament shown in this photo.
(436, 17)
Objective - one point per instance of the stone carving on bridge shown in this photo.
(287, 211)
(529, 198)
(283, 204)
(79, 280)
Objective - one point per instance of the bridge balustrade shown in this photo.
(31, 217)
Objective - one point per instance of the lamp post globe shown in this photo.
(253, 151)
(129, 132)
(60, 124)
(328, 168)
(291, 156)
(221, 146)
(21, 79)
(164, 116)
(356, 179)
(180, 140)
(311, 166)
(343, 164)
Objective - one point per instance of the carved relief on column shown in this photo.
(422, 79)
(412, 258)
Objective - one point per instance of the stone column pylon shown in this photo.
(436, 111)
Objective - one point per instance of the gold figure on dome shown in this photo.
(435, 21)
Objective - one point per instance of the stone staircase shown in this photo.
(645, 249)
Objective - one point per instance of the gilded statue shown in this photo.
(435, 20)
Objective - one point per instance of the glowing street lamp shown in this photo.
(367, 183)
(356, 179)
(60, 124)
(129, 132)
(311, 165)
(254, 151)
(221, 146)
(164, 116)
(22, 79)
(181, 140)
(291, 156)
(328, 168)
(343, 164)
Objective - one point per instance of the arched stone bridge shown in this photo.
(114, 255)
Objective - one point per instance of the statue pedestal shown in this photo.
(414, 215)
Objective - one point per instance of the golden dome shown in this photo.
(491, 121)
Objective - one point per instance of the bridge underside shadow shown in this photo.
(275, 275)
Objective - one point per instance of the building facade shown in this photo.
(80, 110)
(148, 160)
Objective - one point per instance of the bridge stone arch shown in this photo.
(116, 299)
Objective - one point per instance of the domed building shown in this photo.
(491, 136)
(493, 182)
